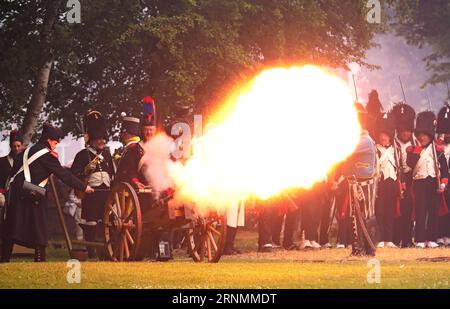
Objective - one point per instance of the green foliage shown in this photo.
(182, 52)
(427, 23)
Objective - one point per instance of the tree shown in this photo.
(182, 52)
(39, 94)
(423, 23)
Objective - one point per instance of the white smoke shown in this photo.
(156, 161)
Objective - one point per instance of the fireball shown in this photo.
(285, 129)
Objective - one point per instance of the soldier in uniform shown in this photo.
(427, 164)
(443, 129)
(93, 165)
(235, 218)
(388, 185)
(6, 162)
(131, 167)
(127, 169)
(26, 212)
(404, 117)
(340, 185)
(312, 203)
(148, 121)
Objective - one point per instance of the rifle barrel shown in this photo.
(436, 166)
(403, 91)
(354, 85)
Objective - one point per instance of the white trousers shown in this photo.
(236, 214)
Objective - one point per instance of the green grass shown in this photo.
(227, 274)
(400, 268)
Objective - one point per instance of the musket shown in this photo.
(403, 91)
(448, 91)
(354, 85)
(429, 102)
(398, 163)
(448, 94)
(437, 170)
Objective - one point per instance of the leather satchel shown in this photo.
(33, 192)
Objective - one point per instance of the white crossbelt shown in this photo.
(25, 168)
(10, 160)
(422, 157)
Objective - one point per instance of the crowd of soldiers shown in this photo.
(410, 185)
(25, 171)
(410, 201)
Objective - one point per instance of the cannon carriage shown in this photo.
(133, 218)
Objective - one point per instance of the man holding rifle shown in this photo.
(443, 130)
(388, 185)
(404, 117)
(430, 178)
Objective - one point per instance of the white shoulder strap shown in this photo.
(26, 163)
(386, 155)
(423, 156)
(10, 160)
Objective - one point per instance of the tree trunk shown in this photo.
(39, 94)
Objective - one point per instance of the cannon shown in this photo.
(133, 218)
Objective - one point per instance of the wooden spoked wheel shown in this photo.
(206, 238)
(122, 223)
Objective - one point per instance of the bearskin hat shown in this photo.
(384, 124)
(404, 116)
(426, 123)
(443, 120)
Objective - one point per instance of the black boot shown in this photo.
(229, 242)
(7, 248)
(89, 235)
(39, 254)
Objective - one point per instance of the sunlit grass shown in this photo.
(331, 268)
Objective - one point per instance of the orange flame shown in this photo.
(287, 128)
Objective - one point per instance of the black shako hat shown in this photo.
(94, 126)
(51, 132)
(15, 136)
(130, 125)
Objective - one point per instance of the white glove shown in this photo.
(2, 200)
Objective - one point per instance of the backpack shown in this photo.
(363, 162)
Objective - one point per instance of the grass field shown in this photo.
(331, 268)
